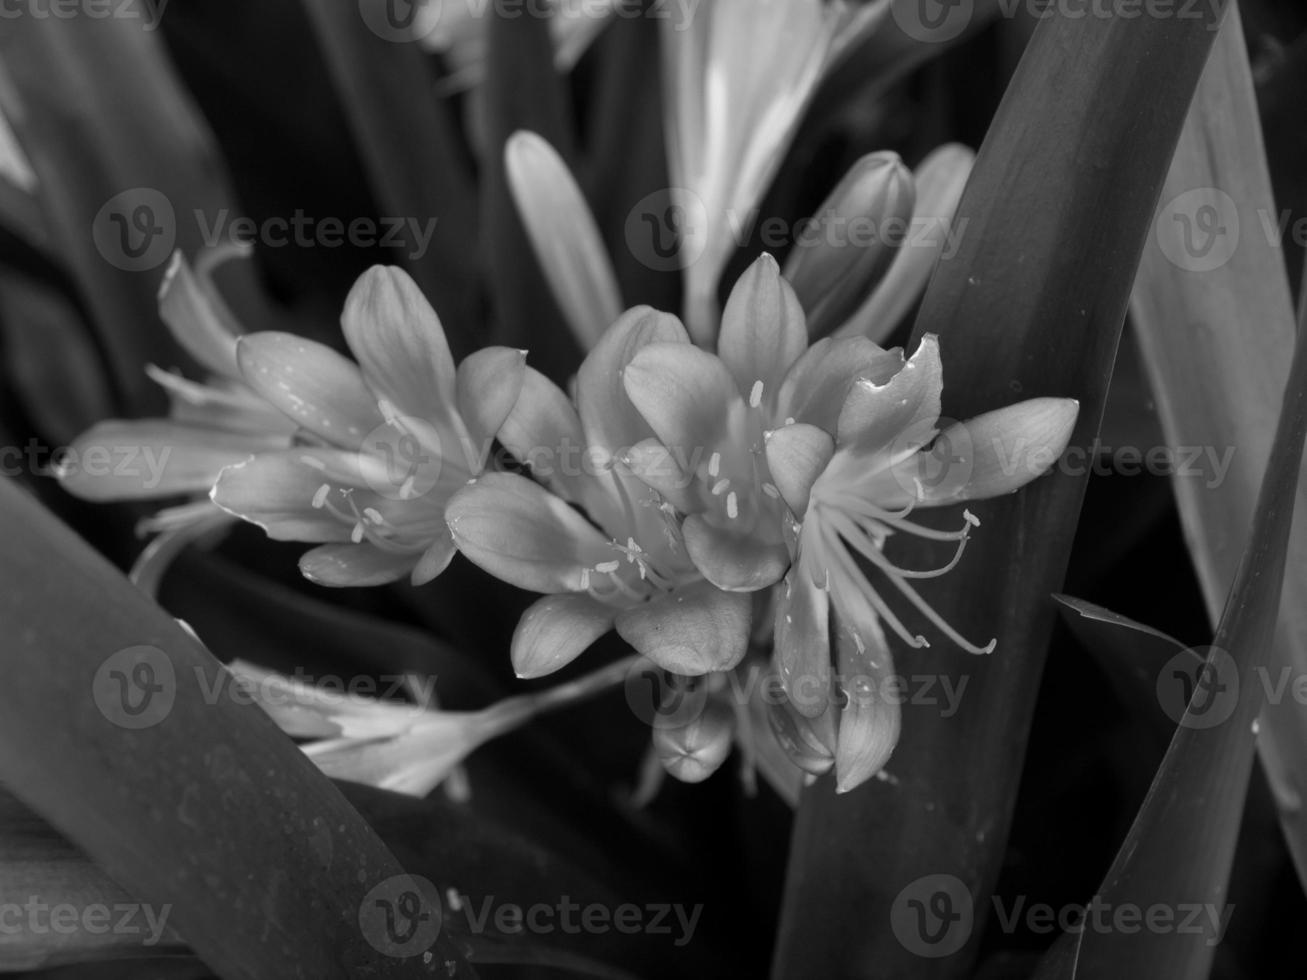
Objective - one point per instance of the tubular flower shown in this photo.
(711, 414)
(601, 545)
(382, 444)
(738, 78)
(210, 425)
(849, 490)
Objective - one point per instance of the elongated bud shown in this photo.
(844, 251)
(564, 236)
(809, 742)
(696, 751)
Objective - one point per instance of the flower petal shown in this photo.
(732, 561)
(871, 720)
(555, 631)
(609, 420)
(660, 469)
(399, 343)
(435, 559)
(686, 395)
(899, 414)
(693, 630)
(802, 652)
(521, 533)
(311, 384)
(543, 432)
(763, 329)
(304, 710)
(796, 456)
(987, 456)
(276, 491)
(198, 318)
(354, 565)
(488, 385)
(695, 751)
(149, 458)
(564, 236)
(817, 386)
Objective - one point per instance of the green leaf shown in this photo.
(116, 731)
(1018, 316)
(1197, 798)
(410, 149)
(1216, 325)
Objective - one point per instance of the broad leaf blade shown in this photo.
(208, 809)
(1214, 317)
(1017, 317)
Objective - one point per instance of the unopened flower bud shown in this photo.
(696, 751)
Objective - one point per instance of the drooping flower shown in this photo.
(600, 544)
(211, 424)
(383, 444)
(401, 746)
(852, 488)
(711, 413)
(737, 79)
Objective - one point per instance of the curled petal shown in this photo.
(311, 384)
(198, 318)
(802, 643)
(276, 491)
(809, 743)
(733, 561)
(555, 631)
(899, 415)
(400, 343)
(817, 386)
(796, 456)
(521, 533)
(691, 631)
(763, 328)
